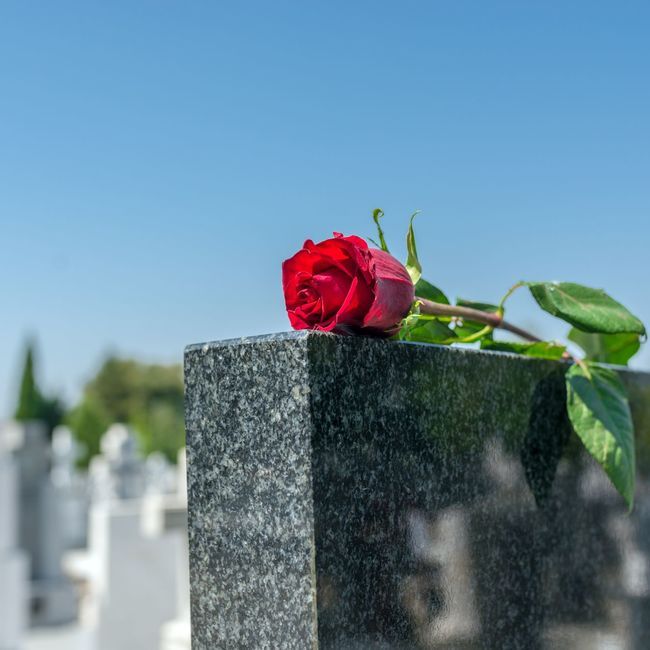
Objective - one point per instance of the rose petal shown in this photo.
(337, 252)
(393, 292)
(355, 306)
(332, 286)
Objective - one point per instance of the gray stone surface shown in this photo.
(350, 493)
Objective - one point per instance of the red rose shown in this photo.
(341, 285)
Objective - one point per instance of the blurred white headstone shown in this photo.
(100, 484)
(137, 581)
(160, 474)
(172, 518)
(13, 563)
(131, 568)
(120, 448)
(53, 598)
(71, 488)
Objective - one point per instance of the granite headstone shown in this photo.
(350, 493)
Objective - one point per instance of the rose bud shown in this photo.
(340, 285)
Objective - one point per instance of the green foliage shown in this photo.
(29, 396)
(148, 397)
(470, 327)
(52, 412)
(607, 331)
(428, 330)
(412, 262)
(89, 422)
(481, 306)
(32, 404)
(424, 289)
(600, 414)
(541, 350)
(607, 348)
(590, 310)
(161, 427)
(377, 214)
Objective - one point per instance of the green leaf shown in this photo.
(424, 289)
(429, 331)
(412, 262)
(377, 214)
(541, 350)
(481, 306)
(607, 348)
(600, 414)
(470, 327)
(590, 310)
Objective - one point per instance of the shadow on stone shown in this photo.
(548, 432)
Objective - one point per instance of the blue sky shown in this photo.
(158, 160)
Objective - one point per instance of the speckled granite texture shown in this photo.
(356, 494)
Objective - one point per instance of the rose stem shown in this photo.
(488, 318)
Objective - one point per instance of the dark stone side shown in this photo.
(350, 493)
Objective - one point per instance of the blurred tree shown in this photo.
(52, 412)
(148, 397)
(88, 422)
(29, 397)
(32, 404)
